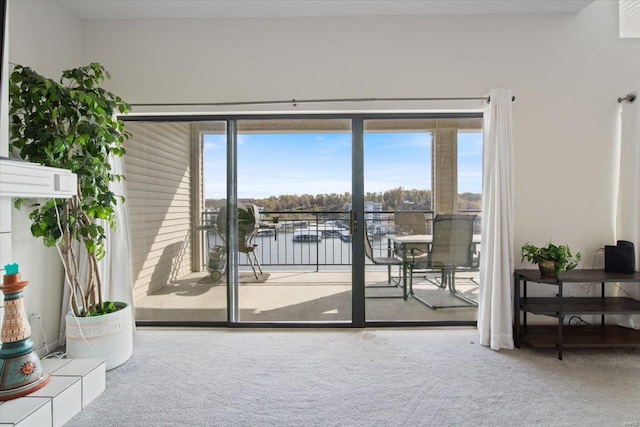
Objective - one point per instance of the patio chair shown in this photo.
(409, 223)
(451, 249)
(389, 261)
(248, 225)
(247, 230)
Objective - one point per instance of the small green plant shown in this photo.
(107, 307)
(560, 255)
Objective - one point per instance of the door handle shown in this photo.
(352, 222)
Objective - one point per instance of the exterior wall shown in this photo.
(445, 170)
(197, 197)
(158, 178)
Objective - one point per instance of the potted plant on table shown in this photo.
(551, 259)
(72, 124)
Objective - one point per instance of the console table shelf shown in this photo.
(560, 336)
(577, 305)
(546, 336)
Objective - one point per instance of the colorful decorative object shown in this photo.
(20, 369)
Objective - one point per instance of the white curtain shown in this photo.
(115, 267)
(495, 308)
(628, 206)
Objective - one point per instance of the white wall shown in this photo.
(44, 36)
(566, 72)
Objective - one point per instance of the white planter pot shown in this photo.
(108, 337)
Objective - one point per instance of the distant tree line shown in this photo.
(397, 198)
(470, 201)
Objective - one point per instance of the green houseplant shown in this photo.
(551, 259)
(71, 124)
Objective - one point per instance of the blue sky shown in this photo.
(317, 163)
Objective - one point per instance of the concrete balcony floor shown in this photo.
(304, 296)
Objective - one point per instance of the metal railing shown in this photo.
(309, 238)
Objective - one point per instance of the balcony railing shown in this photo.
(310, 238)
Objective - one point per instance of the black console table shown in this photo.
(601, 335)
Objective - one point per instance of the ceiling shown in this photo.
(185, 9)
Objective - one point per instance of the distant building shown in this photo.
(371, 207)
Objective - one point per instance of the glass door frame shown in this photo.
(357, 219)
(357, 249)
(358, 303)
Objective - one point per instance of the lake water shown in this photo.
(280, 249)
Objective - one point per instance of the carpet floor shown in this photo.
(381, 377)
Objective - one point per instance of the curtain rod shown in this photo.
(631, 97)
(295, 102)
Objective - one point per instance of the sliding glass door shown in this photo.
(295, 221)
(410, 173)
(295, 258)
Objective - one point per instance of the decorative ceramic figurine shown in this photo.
(20, 369)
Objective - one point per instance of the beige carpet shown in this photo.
(390, 377)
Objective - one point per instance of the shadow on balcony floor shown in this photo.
(298, 296)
